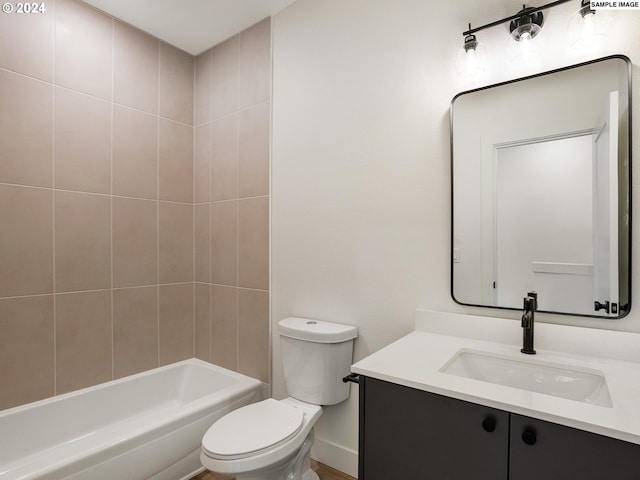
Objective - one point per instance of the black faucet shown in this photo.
(530, 306)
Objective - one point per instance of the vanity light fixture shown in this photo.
(471, 59)
(586, 28)
(523, 27)
(523, 30)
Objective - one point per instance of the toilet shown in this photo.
(271, 440)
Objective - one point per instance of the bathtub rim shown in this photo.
(100, 386)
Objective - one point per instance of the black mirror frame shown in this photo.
(624, 309)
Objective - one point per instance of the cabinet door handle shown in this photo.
(489, 424)
(529, 437)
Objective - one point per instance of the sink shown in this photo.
(569, 382)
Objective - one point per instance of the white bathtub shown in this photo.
(146, 426)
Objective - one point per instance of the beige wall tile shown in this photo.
(26, 350)
(224, 158)
(135, 68)
(135, 153)
(176, 322)
(105, 103)
(176, 243)
(26, 242)
(135, 242)
(253, 243)
(253, 155)
(254, 79)
(82, 241)
(203, 322)
(26, 43)
(224, 243)
(135, 330)
(26, 130)
(83, 340)
(202, 105)
(176, 162)
(176, 84)
(202, 164)
(203, 243)
(224, 83)
(82, 142)
(84, 39)
(253, 334)
(224, 326)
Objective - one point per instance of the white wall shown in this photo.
(361, 168)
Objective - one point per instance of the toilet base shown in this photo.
(295, 468)
(310, 475)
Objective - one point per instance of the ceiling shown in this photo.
(191, 25)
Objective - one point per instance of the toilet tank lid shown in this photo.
(316, 330)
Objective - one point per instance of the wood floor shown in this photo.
(324, 472)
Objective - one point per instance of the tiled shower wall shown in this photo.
(97, 204)
(231, 192)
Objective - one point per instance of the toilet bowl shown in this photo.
(271, 440)
(278, 446)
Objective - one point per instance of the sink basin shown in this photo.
(572, 383)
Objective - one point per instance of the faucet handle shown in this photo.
(532, 303)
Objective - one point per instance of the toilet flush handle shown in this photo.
(352, 377)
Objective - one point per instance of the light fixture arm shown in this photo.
(530, 11)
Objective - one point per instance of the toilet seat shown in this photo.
(270, 422)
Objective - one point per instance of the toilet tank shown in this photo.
(316, 356)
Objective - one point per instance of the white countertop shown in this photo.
(415, 361)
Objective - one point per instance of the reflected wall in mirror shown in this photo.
(541, 191)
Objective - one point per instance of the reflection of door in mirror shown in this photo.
(541, 190)
(605, 209)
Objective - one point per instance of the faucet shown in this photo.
(530, 306)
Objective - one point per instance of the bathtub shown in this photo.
(145, 426)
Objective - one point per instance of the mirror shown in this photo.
(541, 191)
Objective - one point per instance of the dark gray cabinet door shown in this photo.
(554, 452)
(411, 434)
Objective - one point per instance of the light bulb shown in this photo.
(527, 47)
(471, 59)
(588, 29)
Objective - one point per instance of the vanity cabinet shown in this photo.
(544, 450)
(412, 434)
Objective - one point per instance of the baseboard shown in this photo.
(335, 456)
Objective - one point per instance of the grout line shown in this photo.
(269, 329)
(194, 192)
(237, 111)
(53, 201)
(83, 291)
(126, 287)
(113, 54)
(237, 119)
(80, 92)
(24, 75)
(240, 198)
(5, 184)
(91, 193)
(210, 199)
(14, 297)
(193, 272)
(158, 204)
